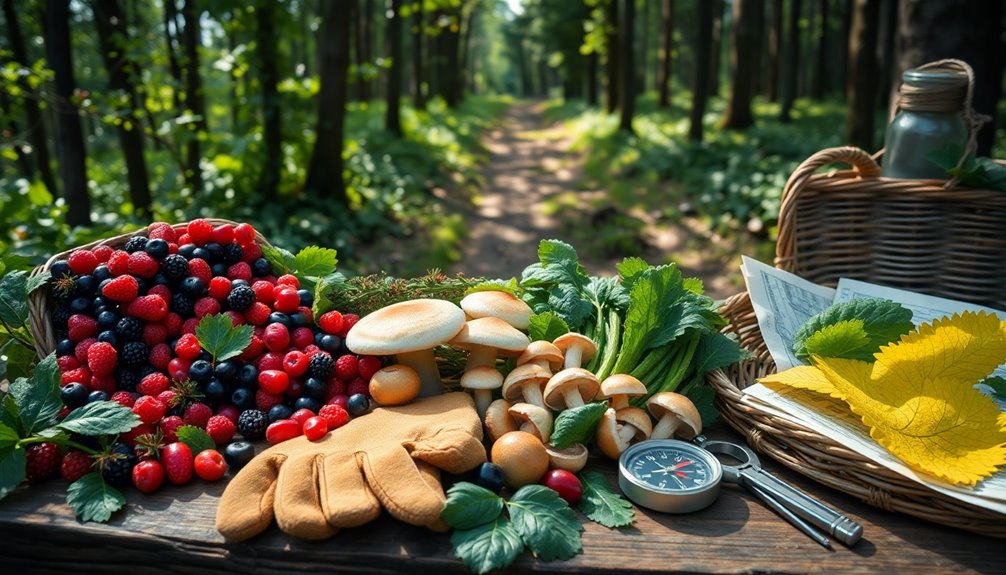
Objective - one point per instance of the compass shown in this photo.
(669, 475)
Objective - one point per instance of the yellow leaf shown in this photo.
(804, 377)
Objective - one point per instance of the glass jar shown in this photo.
(931, 118)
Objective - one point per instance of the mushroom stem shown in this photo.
(626, 433)
(542, 363)
(483, 397)
(532, 395)
(666, 427)
(572, 397)
(426, 366)
(574, 353)
(481, 355)
(619, 401)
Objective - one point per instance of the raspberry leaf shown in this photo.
(315, 262)
(546, 326)
(324, 290)
(282, 261)
(14, 298)
(37, 281)
(8, 436)
(12, 468)
(197, 439)
(100, 418)
(469, 505)
(37, 399)
(576, 424)
(546, 523)
(221, 338)
(92, 499)
(601, 504)
(487, 546)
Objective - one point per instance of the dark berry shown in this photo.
(261, 267)
(330, 343)
(252, 424)
(59, 269)
(193, 287)
(73, 395)
(315, 388)
(108, 336)
(97, 395)
(215, 390)
(240, 282)
(107, 319)
(280, 317)
(321, 366)
(306, 297)
(80, 305)
(278, 412)
(102, 273)
(102, 301)
(86, 286)
(135, 244)
(128, 379)
(219, 269)
(60, 317)
(65, 347)
(175, 266)
(241, 298)
(243, 398)
(216, 252)
(205, 356)
(129, 328)
(157, 248)
(248, 375)
(305, 402)
(489, 476)
(299, 320)
(201, 371)
(134, 354)
(187, 250)
(233, 253)
(160, 279)
(238, 454)
(358, 404)
(182, 304)
(200, 254)
(226, 371)
(118, 468)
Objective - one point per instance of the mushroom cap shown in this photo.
(491, 332)
(499, 420)
(584, 381)
(622, 384)
(521, 456)
(672, 403)
(406, 326)
(482, 377)
(539, 417)
(564, 342)
(542, 350)
(638, 419)
(528, 374)
(572, 458)
(501, 304)
(394, 385)
(607, 437)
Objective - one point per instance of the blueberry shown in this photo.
(299, 320)
(280, 317)
(73, 395)
(160, 279)
(490, 476)
(65, 347)
(157, 248)
(102, 273)
(306, 297)
(261, 267)
(108, 336)
(97, 395)
(200, 371)
(243, 398)
(205, 356)
(193, 287)
(107, 319)
(201, 253)
(358, 404)
(226, 371)
(330, 343)
(101, 301)
(61, 268)
(215, 390)
(307, 403)
(239, 282)
(219, 269)
(216, 252)
(238, 454)
(80, 305)
(278, 412)
(187, 250)
(86, 286)
(248, 376)
(315, 388)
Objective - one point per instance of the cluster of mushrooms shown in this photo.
(548, 378)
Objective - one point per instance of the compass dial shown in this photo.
(669, 475)
(671, 469)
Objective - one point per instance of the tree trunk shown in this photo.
(821, 68)
(324, 173)
(842, 48)
(364, 15)
(612, 46)
(271, 107)
(747, 21)
(860, 91)
(716, 48)
(452, 46)
(703, 54)
(392, 117)
(628, 66)
(791, 69)
(172, 29)
(112, 39)
(36, 125)
(592, 79)
(525, 71)
(194, 99)
(887, 88)
(774, 45)
(466, 46)
(69, 138)
(643, 49)
(418, 37)
(666, 52)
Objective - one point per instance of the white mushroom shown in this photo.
(617, 388)
(500, 304)
(482, 381)
(571, 387)
(524, 383)
(675, 415)
(543, 353)
(533, 419)
(578, 349)
(486, 337)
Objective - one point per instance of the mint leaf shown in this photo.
(12, 468)
(282, 261)
(197, 439)
(100, 418)
(488, 546)
(469, 505)
(92, 499)
(14, 298)
(37, 399)
(221, 338)
(601, 504)
(546, 523)
(883, 322)
(576, 424)
(546, 326)
(8, 436)
(840, 339)
(314, 261)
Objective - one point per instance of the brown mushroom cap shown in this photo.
(565, 386)
(543, 353)
(674, 413)
(525, 382)
(619, 386)
(608, 440)
(498, 419)
(572, 458)
(521, 456)
(533, 419)
(501, 304)
(636, 420)
(394, 385)
(578, 349)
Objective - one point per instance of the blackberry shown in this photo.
(134, 354)
(175, 266)
(182, 305)
(252, 424)
(129, 328)
(127, 379)
(241, 298)
(320, 366)
(233, 253)
(60, 316)
(135, 244)
(117, 468)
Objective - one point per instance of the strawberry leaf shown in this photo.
(197, 439)
(12, 468)
(314, 261)
(37, 399)
(488, 546)
(92, 499)
(100, 418)
(546, 523)
(469, 505)
(218, 335)
(601, 504)
(576, 424)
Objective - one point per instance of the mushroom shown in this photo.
(633, 424)
(525, 382)
(521, 456)
(618, 387)
(394, 385)
(571, 387)
(533, 419)
(482, 381)
(674, 413)
(543, 353)
(500, 304)
(409, 330)
(578, 349)
(571, 458)
(487, 336)
(498, 419)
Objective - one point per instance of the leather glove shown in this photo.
(390, 457)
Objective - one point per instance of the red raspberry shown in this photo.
(80, 375)
(129, 437)
(81, 327)
(167, 397)
(162, 291)
(335, 387)
(187, 347)
(148, 308)
(200, 269)
(177, 461)
(230, 412)
(206, 306)
(348, 321)
(43, 460)
(183, 238)
(223, 234)
(347, 367)
(67, 362)
(276, 337)
(200, 231)
(236, 317)
(198, 414)
(149, 409)
(75, 465)
(240, 271)
(253, 350)
(302, 337)
(330, 322)
(295, 363)
(169, 427)
(270, 360)
(143, 264)
(244, 234)
(82, 262)
(264, 292)
(104, 383)
(189, 325)
(161, 231)
(265, 400)
(153, 384)
(221, 429)
(358, 385)
(80, 351)
(311, 350)
(286, 299)
(367, 366)
(123, 289)
(252, 252)
(220, 288)
(173, 322)
(288, 280)
(334, 415)
(258, 313)
(123, 398)
(102, 253)
(118, 263)
(154, 334)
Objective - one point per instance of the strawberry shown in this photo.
(198, 414)
(118, 263)
(101, 358)
(159, 357)
(200, 231)
(200, 269)
(148, 307)
(153, 384)
(82, 262)
(122, 289)
(221, 429)
(206, 306)
(75, 465)
(149, 409)
(80, 327)
(169, 427)
(123, 398)
(143, 264)
(177, 461)
(43, 459)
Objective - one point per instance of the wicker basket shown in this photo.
(911, 234)
(38, 301)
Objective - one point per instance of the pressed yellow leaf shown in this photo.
(803, 377)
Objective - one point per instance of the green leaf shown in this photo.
(840, 339)
(221, 338)
(323, 291)
(716, 350)
(509, 286)
(100, 418)
(546, 523)
(35, 282)
(546, 326)
(883, 322)
(197, 439)
(315, 261)
(576, 424)
(601, 504)
(8, 436)
(629, 268)
(704, 398)
(38, 399)
(469, 505)
(283, 262)
(997, 384)
(607, 292)
(92, 499)
(14, 298)
(650, 318)
(570, 305)
(9, 414)
(18, 362)
(12, 468)
(488, 546)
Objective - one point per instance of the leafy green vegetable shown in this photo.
(218, 335)
(576, 424)
(975, 172)
(196, 438)
(882, 322)
(488, 546)
(469, 505)
(601, 504)
(100, 418)
(546, 326)
(8, 436)
(547, 525)
(94, 500)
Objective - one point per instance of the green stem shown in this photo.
(57, 441)
(611, 348)
(597, 334)
(13, 335)
(681, 366)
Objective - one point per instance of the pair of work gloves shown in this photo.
(391, 457)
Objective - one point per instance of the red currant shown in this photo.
(302, 415)
(315, 428)
(286, 299)
(244, 234)
(273, 381)
(565, 484)
(282, 430)
(178, 368)
(295, 363)
(209, 465)
(288, 280)
(148, 475)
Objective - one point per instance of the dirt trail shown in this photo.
(529, 164)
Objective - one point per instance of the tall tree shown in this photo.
(822, 71)
(172, 30)
(627, 64)
(272, 134)
(70, 139)
(592, 79)
(643, 48)
(418, 36)
(451, 59)
(324, 173)
(466, 44)
(612, 53)
(715, 47)
(790, 70)
(36, 126)
(392, 117)
(112, 37)
(666, 51)
(774, 44)
(747, 21)
(862, 79)
(195, 101)
(364, 15)
(887, 88)
(702, 70)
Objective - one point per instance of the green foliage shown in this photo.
(602, 504)
(852, 330)
(577, 424)
(982, 173)
(197, 439)
(546, 326)
(469, 505)
(218, 335)
(94, 500)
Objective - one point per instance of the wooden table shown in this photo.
(173, 531)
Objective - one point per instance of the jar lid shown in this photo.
(934, 78)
